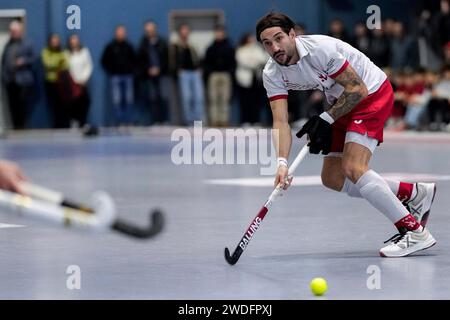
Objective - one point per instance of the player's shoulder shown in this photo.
(319, 43)
(271, 69)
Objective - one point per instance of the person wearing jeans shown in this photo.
(185, 65)
(118, 60)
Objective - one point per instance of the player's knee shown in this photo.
(353, 171)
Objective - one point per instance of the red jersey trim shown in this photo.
(344, 66)
(278, 97)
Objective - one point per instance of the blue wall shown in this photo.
(353, 11)
(99, 17)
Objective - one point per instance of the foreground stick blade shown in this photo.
(235, 257)
(256, 223)
(155, 226)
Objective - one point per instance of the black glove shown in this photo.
(319, 132)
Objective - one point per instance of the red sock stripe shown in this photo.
(407, 222)
(405, 191)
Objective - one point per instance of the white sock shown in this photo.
(377, 192)
(353, 191)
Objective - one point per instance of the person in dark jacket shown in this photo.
(185, 67)
(17, 74)
(119, 60)
(219, 65)
(153, 58)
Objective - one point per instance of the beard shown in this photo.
(286, 61)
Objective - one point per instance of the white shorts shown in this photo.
(364, 140)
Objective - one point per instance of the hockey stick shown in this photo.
(256, 223)
(101, 217)
(45, 194)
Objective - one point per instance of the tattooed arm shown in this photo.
(354, 91)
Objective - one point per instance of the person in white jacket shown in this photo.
(250, 60)
(80, 68)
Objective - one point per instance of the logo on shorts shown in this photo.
(358, 121)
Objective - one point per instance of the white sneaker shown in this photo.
(406, 243)
(420, 206)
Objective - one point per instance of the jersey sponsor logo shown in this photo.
(297, 86)
(323, 77)
(330, 64)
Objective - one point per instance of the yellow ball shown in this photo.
(318, 286)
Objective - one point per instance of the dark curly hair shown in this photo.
(274, 19)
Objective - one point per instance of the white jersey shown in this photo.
(322, 58)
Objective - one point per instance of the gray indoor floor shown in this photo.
(309, 232)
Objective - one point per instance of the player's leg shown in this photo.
(413, 237)
(417, 197)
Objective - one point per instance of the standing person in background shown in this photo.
(338, 31)
(250, 59)
(80, 68)
(153, 55)
(185, 64)
(361, 40)
(219, 66)
(17, 74)
(55, 60)
(118, 60)
(379, 49)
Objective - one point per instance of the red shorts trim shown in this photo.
(368, 117)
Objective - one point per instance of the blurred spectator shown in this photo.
(184, 62)
(55, 62)
(153, 56)
(430, 50)
(388, 27)
(17, 74)
(439, 107)
(219, 66)
(361, 40)
(403, 49)
(417, 101)
(118, 60)
(250, 59)
(337, 30)
(447, 54)
(400, 96)
(443, 23)
(300, 29)
(80, 67)
(379, 49)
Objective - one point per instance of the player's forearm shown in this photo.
(282, 138)
(354, 91)
(346, 102)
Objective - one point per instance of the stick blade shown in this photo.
(154, 227)
(231, 259)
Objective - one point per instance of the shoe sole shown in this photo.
(426, 215)
(408, 254)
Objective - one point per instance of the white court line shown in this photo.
(316, 180)
(5, 225)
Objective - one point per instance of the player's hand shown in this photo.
(319, 132)
(283, 177)
(11, 177)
